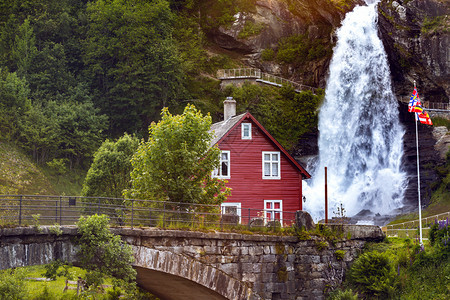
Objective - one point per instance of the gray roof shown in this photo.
(221, 128)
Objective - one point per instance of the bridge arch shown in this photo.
(173, 276)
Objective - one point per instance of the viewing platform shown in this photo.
(239, 76)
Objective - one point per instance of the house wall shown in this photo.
(246, 169)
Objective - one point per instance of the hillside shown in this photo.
(74, 73)
(19, 175)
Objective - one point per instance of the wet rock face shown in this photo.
(272, 20)
(429, 158)
(417, 40)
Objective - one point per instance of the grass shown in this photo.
(33, 289)
(20, 175)
(420, 274)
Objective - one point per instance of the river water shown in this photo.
(361, 138)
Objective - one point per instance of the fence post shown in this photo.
(20, 210)
(248, 222)
(98, 206)
(164, 214)
(132, 213)
(56, 211)
(60, 210)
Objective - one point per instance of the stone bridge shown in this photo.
(175, 264)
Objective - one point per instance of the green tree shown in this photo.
(102, 252)
(24, 48)
(132, 60)
(176, 162)
(110, 171)
(14, 103)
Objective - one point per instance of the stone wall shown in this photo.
(255, 266)
(274, 267)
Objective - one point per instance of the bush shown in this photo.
(12, 285)
(373, 275)
(343, 295)
(267, 54)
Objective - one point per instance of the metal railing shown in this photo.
(405, 227)
(260, 76)
(239, 73)
(23, 210)
(438, 106)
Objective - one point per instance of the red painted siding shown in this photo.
(248, 186)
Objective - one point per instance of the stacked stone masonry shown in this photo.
(251, 266)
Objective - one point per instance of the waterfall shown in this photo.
(360, 137)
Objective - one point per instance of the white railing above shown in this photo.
(253, 73)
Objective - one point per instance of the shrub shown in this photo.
(267, 54)
(373, 275)
(343, 295)
(12, 284)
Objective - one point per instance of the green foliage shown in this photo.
(287, 115)
(433, 24)
(176, 162)
(51, 269)
(439, 237)
(103, 253)
(109, 173)
(36, 222)
(299, 49)
(12, 285)
(373, 275)
(268, 54)
(339, 254)
(251, 29)
(55, 229)
(321, 245)
(71, 130)
(439, 121)
(14, 103)
(133, 60)
(339, 294)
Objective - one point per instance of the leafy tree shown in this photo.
(176, 162)
(110, 171)
(62, 130)
(24, 49)
(133, 61)
(102, 252)
(14, 102)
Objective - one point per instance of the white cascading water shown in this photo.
(361, 139)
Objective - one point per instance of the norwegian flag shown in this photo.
(424, 118)
(414, 100)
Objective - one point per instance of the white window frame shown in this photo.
(272, 210)
(271, 163)
(218, 171)
(235, 204)
(249, 136)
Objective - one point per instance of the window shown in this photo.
(246, 131)
(224, 168)
(273, 210)
(231, 209)
(271, 165)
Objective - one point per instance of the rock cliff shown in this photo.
(270, 21)
(416, 36)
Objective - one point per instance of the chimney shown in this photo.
(229, 108)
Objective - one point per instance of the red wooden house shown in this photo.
(263, 177)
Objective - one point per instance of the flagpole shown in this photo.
(418, 177)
